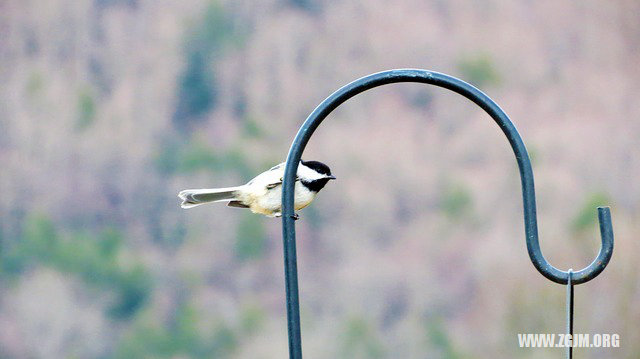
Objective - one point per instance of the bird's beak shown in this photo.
(331, 177)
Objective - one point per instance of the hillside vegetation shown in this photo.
(109, 107)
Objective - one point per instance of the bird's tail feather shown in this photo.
(195, 197)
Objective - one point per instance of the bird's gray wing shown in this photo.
(273, 185)
(271, 178)
(278, 183)
(277, 167)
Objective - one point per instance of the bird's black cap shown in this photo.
(318, 167)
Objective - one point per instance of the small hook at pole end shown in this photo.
(606, 249)
(606, 228)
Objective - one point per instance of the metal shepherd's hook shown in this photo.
(522, 157)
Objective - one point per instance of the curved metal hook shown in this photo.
(507, 127)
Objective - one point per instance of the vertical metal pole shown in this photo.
(570, 312)
(291, 286)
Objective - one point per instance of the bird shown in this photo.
(263, 194)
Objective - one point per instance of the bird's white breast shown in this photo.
(265, 200)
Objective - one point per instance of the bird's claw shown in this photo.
(295, 216)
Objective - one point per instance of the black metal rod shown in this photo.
(570, 312)
(507, 127)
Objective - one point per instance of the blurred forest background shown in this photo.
(109, 107)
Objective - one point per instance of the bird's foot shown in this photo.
(295, 216)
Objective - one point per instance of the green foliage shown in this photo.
(86, 109)
(197, 85)
(479, 69)
(252, 319)
(183, 336)
(456, 201)
(236, 160)
(439, 338)
(197, 92)
(360, 341)
(250, 238)
(92, 258)
(197, 156)
(193, 156)
(252, 128)
(214, 31)
(587, 215)
(38, 241)
(11, 263)
(132, 288)
(35, 84)
(40, 238)
(224, 341)
(110, 242)
(308, 5)
(167, 160)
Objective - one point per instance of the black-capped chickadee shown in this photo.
(263, 194)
